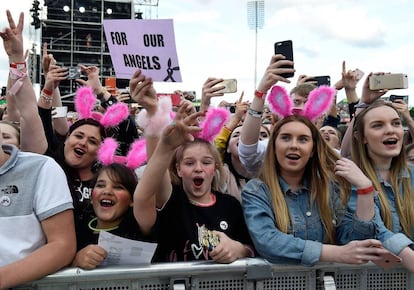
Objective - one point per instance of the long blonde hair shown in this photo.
(404, 199)
(320, 170)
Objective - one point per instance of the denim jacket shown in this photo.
(303, 242)
(393, 240)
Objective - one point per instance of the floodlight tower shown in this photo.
(255, 20)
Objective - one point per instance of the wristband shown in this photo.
(47, 92)
(366, 190)
(361, 105)
(254, 113)
(259, 94)
(109, 102)
(18, 65)
(19, 76)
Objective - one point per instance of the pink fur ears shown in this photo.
(319, 101)
(212, 124)
(85, 101)
(136, 156)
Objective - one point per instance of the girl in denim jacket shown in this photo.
(377, 148)
(296, 209)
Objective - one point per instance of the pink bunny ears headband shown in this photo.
(85, 101)
(319, 101)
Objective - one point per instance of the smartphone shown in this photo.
(230, 86)
(3, 91)
(388, 81)
(358, 74)
(399, 97)
(388, 261)
(286, 48)
(74, 72)
(322, 80)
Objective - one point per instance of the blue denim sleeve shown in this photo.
(393, 242)
(270, 243)
(350, 227)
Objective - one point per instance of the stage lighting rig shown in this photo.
(35, 14)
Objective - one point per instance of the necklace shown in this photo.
(213, 200)
(98, 230)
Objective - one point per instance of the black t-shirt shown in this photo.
(128, 228)
(179, 220)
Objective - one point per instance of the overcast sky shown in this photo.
(214, 40)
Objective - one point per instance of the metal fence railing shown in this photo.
(246, 274)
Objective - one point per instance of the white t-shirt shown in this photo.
(33, 187)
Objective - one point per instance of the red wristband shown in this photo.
(47, 92)
(259, 94)
(365, 190)
(18, 65)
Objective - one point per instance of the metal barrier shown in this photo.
(246, 274)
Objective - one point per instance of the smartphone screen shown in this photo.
(323, 80)
(285, 48)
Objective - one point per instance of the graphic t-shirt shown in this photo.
(178, 223)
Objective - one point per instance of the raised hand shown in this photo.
(143, 92)
(92, 72)
(350, 171)
(368, 95)
(13, 38)
(183, 127)
(273, 72)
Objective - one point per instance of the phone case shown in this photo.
(285, 48)
(323, 80)
(388, 81)
(230, 86)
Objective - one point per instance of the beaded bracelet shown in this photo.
(46, 98)
(365, 190)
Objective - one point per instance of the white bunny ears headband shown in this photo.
(319, 101)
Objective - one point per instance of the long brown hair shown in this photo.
(319, 170)
(403, 191)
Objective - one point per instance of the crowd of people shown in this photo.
(277, 179)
